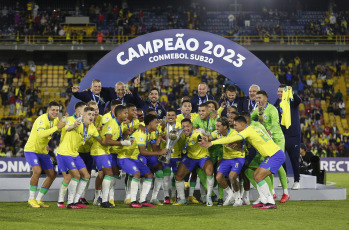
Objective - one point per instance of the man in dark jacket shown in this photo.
(202, 97)
(292, 134)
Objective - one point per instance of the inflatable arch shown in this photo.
(181, 46)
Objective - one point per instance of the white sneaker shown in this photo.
(246, 200)
(238, 202)
(257, 201)
(296, 186)
(228, 201)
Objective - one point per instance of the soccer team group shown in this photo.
(219, 145)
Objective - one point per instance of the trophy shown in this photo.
(172, 136)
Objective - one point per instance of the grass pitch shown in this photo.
(294, 214)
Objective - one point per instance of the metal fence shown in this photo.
(118, 39)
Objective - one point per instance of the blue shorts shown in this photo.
(104, 161)
(88, 160)
(274, 162)
(192, 163)
(115, 158)
(35, 159)
(66, 163)
(231, 165)
(133, 166)
(149, 161)
(174, 163)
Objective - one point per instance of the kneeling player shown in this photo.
(196, 156)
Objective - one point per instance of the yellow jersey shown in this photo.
(40, 134)
(178, 147)
(113, 128)
(228, 153)
(70, 120)
(98, 121)
(76, 138)
(107, 117)
(256, 137)
(287, 96)
(118, 149)
(180, 117)
(133, 151)
(193, 148)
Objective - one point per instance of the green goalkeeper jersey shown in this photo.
(270, 121)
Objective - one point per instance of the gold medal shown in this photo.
(184, 151)
(83, 142)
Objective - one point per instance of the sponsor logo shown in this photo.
(109, 128)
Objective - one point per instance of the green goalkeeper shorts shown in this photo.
(216, 153)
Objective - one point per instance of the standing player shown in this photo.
(79, 109)
(196, 157)
(109, 116)
(274, 157)
(176, 156)
(129, 162)
(68, 158)
(207, 124)
(268, 116)
(101, 155)
(36, 153)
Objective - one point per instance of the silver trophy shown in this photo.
(172, 136)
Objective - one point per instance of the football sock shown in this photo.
(229, 191)
(146, 188)
(62, 191)
(192, 188)
(80, 189)
(271, 176)
(180, 189)
(157, 185)
(173, 191)
(202, 190)
(133, 188)
(128, 187)
(73, 184)
(249, 174)
(220, 192)
(271, 188)
(85, 190)
(203, 177)
(41, 193)
(112, 187)
(263, 188)
(210, 181)
(247, 194)
(32, 191)
(283, 177)
(167, 181)
(105, 188)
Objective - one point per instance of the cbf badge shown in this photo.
(265, 118)
(159, 112)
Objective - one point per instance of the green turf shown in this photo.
(294, 214)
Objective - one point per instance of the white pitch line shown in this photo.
(330, 183)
